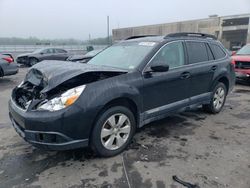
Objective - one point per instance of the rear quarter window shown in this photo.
(217, 51)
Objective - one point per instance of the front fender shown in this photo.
(113, 92)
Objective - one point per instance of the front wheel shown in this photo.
(113, 131)
(218, 99)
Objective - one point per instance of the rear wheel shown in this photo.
(218, 99)
(113, 131)
(33, 61)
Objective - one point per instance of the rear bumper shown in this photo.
(11, 72)
(10, 69)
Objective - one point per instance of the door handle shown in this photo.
(213, 68)
(185, 75)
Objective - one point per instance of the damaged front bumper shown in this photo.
(243, 74)
(61, 130)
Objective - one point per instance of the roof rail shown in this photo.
(140, 36)
(186, 34)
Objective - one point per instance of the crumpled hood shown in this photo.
(76, 57)
(49, 74)
(241, 58)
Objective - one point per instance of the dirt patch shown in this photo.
(115, 167)
(103, 173)
(169, 127)
(243, 115)
(243, 91)
(13, 165)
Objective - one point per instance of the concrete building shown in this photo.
(232, 31)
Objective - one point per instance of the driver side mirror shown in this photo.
(157, 66)
(160, 68)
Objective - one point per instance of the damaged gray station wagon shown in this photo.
(63, 105)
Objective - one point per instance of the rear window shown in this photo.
(197, 52)
(217, 51)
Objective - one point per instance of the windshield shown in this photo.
(38, 51)
(124, 55)
(244, 51)
(93, 53)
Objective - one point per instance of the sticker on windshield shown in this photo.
(131, 67)
(147, 43)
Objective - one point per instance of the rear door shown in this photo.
(201, 59)
(60, 54)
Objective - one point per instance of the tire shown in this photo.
(108, 138)
(219, 94)
(32, 61)
(1, 72)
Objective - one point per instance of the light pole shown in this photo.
(108, 30)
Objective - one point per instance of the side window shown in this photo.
(60, 51)
(172, 54)
(197, 52)
(48, 51)
(217, 51)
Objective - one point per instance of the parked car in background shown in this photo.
(66, 105)
(83, 58)
(7, 65)
(242, 63)
(31, 59)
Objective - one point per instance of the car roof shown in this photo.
(45, 48)
(145, 39)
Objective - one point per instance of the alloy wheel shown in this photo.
(115, 131)
(219, 97)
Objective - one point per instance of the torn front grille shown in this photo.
(25, 94)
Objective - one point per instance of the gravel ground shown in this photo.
(209, 150)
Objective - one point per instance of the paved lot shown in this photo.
(210, 150)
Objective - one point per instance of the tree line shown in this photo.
(37, 41)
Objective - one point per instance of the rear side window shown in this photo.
(60, 51)
(48, 51)
(217, 51)
(197, 52)
(210, 55)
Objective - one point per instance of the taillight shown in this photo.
(8, 59)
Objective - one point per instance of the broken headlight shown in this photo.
(64, 100)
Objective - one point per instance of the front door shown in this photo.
(47, 54)
(164, 92)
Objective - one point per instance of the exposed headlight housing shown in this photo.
(66, 99)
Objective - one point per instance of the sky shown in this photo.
(61, 19)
